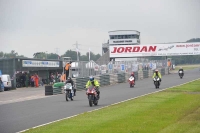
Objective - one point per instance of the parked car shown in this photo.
(6, 81)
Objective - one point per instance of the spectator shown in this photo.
(63, 78)
(52, 79)
(32, 80)
(40, 82)
(26, 80)
(58, 77)
(1, 85)
(36, 80)
(23, 79)
(67, 67)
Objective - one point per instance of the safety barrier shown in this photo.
(80, 82)
(136, 75)
(107, 79)
(140, 75)
(48, 90)
(162, 71)
(150, 73)
(57, 90)
(166, 70)
(121, 77)
(104, 79)
(145, 74)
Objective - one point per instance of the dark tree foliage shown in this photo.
(11, 54)
(73, 55)
(188, 59)
(194, 40)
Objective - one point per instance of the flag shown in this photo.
(89, 54)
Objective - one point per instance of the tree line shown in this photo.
(43, 55)
(187, 59)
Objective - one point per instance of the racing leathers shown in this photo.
(94, 83)
(72, 82)
(158, 75)
(181, 69)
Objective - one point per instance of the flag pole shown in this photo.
(89, 54)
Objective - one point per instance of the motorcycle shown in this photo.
(156, 81)
(131, 81)
(69, 92)
(92, 96)
(19, 83)
(52, 81)
(181, 74)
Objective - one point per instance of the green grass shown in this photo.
(187, 67)
(175, 110)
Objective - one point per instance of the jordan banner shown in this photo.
(172, 49)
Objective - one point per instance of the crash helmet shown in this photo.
(69, 79)
(132, 74)
(91, 78)
(156, 70)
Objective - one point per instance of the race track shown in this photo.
(26, 114)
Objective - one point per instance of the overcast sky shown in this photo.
(29, 26)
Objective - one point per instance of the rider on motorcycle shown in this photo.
(181, 69)
(69, 80)
(95, 83)
(133, 75)
(156, 73)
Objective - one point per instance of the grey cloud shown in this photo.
(42, 22)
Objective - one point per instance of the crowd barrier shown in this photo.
(109, 79)
(106, 79)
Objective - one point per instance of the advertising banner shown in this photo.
(122, 67)
(110, 66)
(152, 66)
(103, 69)
(173, 49)
(35, 63)
(96, 68)
(134, 67)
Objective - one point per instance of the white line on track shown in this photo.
(105, 106)
(26, 99)
(21, 99)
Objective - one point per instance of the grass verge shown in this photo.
(187, 67)
(170, 111)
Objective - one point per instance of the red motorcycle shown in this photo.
(131, 81)
(92, 95)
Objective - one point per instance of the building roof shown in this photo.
(24, 58)
(123, 30)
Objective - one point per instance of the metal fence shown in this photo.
(85, 69)
(109, 79)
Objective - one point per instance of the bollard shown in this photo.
(48, 90)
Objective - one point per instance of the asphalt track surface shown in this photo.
(15, 117)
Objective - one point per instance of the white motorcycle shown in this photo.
(181, 74)
(52, 81)
(156, 82)
(69, 92)
(131, 81)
